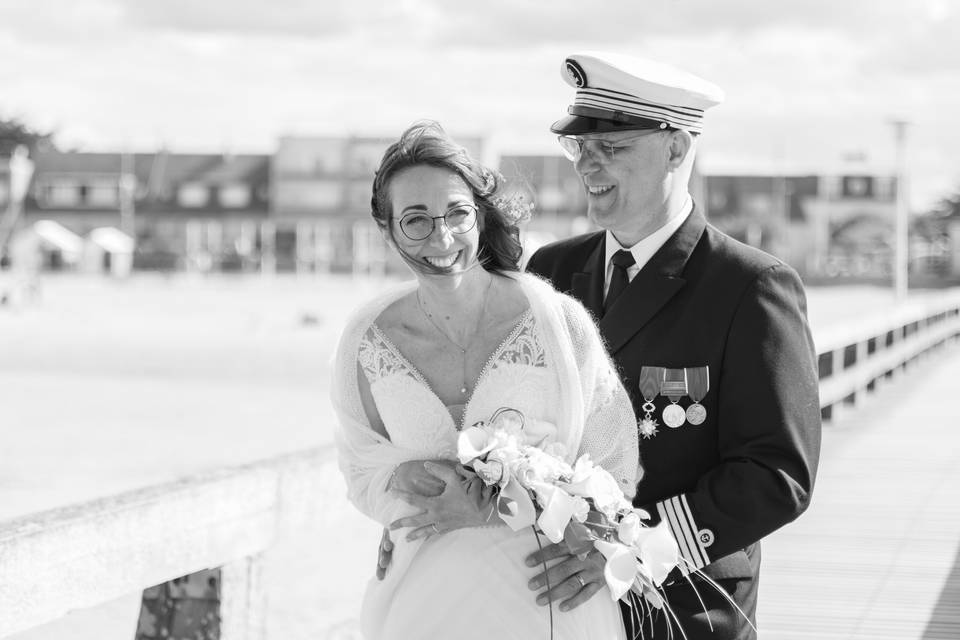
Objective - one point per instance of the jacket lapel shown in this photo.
(587, 285)
(658, 281)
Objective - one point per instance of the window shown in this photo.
(857, 186)
(309, 156)
(193, 194)
(365, 156)
(758, 204)
(234, 196)
(358, 195)
(307, 194)
(61, 193)
(102, 193)
(718, 200)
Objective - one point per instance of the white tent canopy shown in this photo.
(58, 236)
(111, 239)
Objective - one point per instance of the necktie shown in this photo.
(618, 281)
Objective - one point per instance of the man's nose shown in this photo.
(587, 162)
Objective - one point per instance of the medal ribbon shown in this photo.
(698, 382)
(649, 382)
(674, 384)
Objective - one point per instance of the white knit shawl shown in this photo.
(595, 416)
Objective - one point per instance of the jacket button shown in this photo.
(706, 537)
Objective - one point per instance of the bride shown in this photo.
(470, 335)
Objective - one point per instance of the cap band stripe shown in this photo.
(640, 110)
(690, 119)
(619, 117)
(619, 96)
(652, 113)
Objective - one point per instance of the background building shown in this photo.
(825, 225)
(306, 209)
(186, 211)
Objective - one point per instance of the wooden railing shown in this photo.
(90, 553)
(857, 357)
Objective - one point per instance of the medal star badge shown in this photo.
(649, 384)
(647, 425)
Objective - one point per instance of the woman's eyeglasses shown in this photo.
(417, 225)
(602, 150)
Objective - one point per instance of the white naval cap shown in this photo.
(617, 92)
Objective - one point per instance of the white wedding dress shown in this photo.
(469, 583)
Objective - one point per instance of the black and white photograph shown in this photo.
(427, 320)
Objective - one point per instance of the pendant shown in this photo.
(674, 416)
(696, 414)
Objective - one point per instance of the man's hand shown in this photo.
(412, 477)
(464, 502)
(572, 581)
(385, 554)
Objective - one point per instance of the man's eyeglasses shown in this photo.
(602, 150)
(417, 225)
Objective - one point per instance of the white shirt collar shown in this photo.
(644, 250)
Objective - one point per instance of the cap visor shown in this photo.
(579, 125)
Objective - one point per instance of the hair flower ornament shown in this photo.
(515, 208)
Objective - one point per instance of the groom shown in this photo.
(710, 337)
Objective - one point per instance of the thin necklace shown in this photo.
(461, 347)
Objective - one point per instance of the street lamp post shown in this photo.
(901, 222)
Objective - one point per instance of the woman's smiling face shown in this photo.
(433, 191)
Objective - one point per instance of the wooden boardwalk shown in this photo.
(876, 555)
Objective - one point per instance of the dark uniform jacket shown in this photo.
(705, 299)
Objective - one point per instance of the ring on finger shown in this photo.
(580, 580)
(436, 529)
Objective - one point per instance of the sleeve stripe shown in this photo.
(667, 515)
(694, 530)
(689, 530)
(682, 532)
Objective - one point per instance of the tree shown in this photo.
(13, 132)
(948, 207)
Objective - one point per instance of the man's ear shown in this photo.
(681, 142)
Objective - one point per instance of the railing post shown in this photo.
(861, 358)
(837, 367)
(243, 600)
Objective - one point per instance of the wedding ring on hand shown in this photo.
(436, 529)
(580, 580)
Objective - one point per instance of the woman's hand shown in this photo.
(463, 502)
(412, 477)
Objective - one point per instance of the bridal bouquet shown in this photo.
(580, 504)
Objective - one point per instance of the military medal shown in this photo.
(674, 386)
(698, 383)
(649, 384)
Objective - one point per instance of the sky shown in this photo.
(810, 86)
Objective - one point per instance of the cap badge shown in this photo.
(575, 71)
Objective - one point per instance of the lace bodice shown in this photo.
(516, 376)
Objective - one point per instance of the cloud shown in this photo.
(617, 22)
(58, 21)
(297, 18)
(810, 79)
